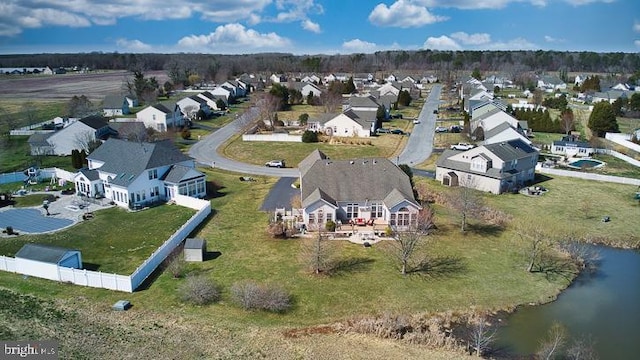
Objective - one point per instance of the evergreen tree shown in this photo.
(350, 87)
(404, 98)
(602, 119)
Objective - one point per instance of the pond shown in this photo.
(603, 305)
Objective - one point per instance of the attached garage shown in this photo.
(43, 260)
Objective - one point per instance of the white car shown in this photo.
(462, 146)
(275, 163)
(416, 121)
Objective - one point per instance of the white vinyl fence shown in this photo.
(128, 283)
(272, 137)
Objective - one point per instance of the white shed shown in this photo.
(43, 260)
(194, 249)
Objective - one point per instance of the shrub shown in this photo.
(199, 290)
(276, 229)
(309, 136)
(186, 134)
(176, 266)
(330, 226)
(252, 296)
(9, 230)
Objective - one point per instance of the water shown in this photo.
(586, 163)
(603, 306)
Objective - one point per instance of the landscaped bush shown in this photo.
(252, 296)
(330, 226)
(309, 137)
(176, 266)
(199, 290)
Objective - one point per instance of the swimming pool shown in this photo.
(586, 164)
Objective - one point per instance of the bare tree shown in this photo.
(408, 243)
(467, 201)
(481, 333)
(319, 254)
(567, 120)
(581, 349)
(585, 207)
(86, 141)
(538, 243)
(551, 348)
(330, 101)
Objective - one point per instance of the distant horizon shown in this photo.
(318, 27)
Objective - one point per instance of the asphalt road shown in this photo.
(418, 149)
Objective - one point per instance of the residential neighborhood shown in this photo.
(308, 196)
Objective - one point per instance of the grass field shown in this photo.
(483, 268)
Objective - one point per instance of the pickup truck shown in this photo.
(462, 146)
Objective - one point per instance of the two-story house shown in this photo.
(160, 117)
(495, 168)
(135, 174)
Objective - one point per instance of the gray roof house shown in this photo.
(75, 136)
(135, 174)
(366, 190)
(495, 168)
(115, 105)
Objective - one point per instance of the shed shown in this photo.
(194, 249)
(43, 260)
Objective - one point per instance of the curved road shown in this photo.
(418, 148)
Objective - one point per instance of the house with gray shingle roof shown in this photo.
(135, 174)
(367, 189)
(115, 105)
(189, 106)
(495, 168)
(160, 117)
(352, 122)
(76, 136)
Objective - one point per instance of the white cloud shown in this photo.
(551, 39)
(311, 26)
(233, 37)
(133, 45)
(441, 43)
(403, 14)
(359, 46)
(497, 4)
(472, 39)
(637, 43)
(513, 44)
(636, 26)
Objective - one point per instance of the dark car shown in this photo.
(396, 116)
(435, 111)
(397, 132)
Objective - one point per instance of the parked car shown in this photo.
(455, 129)
(441, 129)
(416, 121)
(383, 131)
(462, 146)
(275, 163)
(397, 132)
(396, 116)
(435, 111)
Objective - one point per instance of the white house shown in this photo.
(222, 92)
(192, 104)
(160, 117)
(115, 105)
(76, 136)
(369, 190)
(314, 79)
(388, 88)
(495, 168)
(550, 83)
(351, 123)
(135, 174)
(571, 147)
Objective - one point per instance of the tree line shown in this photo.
(211, 66)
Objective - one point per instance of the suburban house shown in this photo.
(314, 79)
(351, 123)
(160, 117)
(136, 174)
(495, 168)
(212, 100)
(504, 132)
(370, 190)
(192, 104)
(115, 105)
(611, 95)
(238, 88)
(305, 88)
(390, 88)
(278, 78)
(551, 83)
(76, 136)
(480, 125)
(318, 121)
(570, 147)
(222, 92)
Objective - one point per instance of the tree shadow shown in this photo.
(350, 265)
(540, 178)
(485, 229)
(552, 268)
(214, 190)
(441, 266)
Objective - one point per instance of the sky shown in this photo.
(311, 27)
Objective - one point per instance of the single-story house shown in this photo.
(135, 174)
(363, 190)
(115, 105)
(570, 147)
(352, 123)
(495, 168)
(43, 260)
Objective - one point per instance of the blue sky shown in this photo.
(317, 26)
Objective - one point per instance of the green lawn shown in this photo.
(627, 125)
(16, 156)
(114, 240)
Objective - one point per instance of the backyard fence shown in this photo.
(272, 137)
(123, 282)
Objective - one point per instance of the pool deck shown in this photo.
(66, 211)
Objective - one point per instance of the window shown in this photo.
(352, 211)
(153, 174)
(312, 218)
(320, 216)
(154, 191)
(376, 210)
